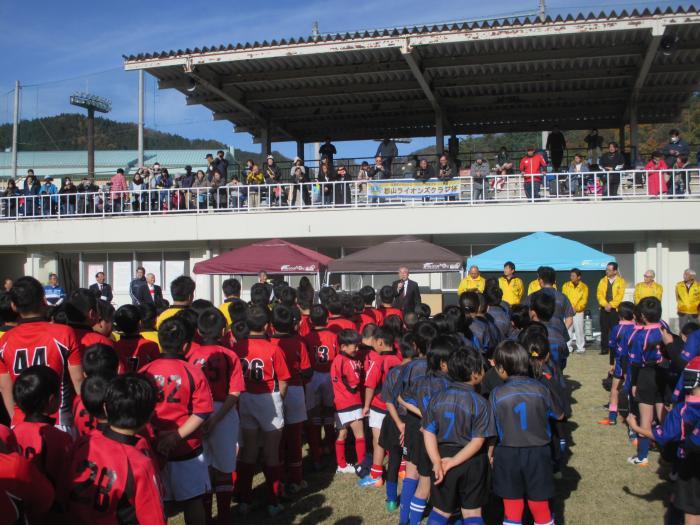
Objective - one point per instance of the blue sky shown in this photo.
(60, 47)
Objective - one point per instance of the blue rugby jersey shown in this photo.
(408, 374)
(457, 415)
(646, 345)
(389, 387)
(421, 391)
(681, 425)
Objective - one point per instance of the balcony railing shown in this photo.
(237, 198)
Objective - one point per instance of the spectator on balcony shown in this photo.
(211, 166)
(273, 176)
(327, 151)
(479, 172)
(255, 178)
(219, 191)
(341, 191)
(363, 175)
(31, 189)
(137, 191)
(221, 164)
(325, 175)
(187, 179)
(577, 168)
(408, 170)
(200, 189)
(11, 197)
(612, 161)
(446, 170)
(248, 168)
(300, 176)
(504, 167)
(87, 190)
(679, 182)
(118, 190)
(164, 183)
(556, 144)
(531, 166)
(387, 150)
(425, 171)
(49, 196)
(675, 148)
(657, 180)
(594, 144)
(378, 171)
(68, 197)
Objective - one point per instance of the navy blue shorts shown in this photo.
(523, 472)
(651, 385)
(465, 486)
(415, 446)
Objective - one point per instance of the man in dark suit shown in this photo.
(150, 292)
(101, 288)
(406, 292)
(138, 282)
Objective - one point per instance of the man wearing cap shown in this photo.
(531, 167)
(479, 173)
(49, 196)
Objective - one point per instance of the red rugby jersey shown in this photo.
(386, 311)
(113, 481)
(24, 491)
(304, 325)
(376, 372)
(38, 342)
(336, 324)
(369, 316)
(135, 352)
(322, 345)
(83, 422)
(43, 444)
(296, 355)
(183, 390)
(8, 441)
(347, 376)
(221, 368)
(263, 364)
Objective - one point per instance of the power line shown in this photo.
(69, 79)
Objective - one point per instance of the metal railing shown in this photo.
(492, 189)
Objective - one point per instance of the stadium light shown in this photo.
(92, 103)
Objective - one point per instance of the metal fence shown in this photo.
(238, 198)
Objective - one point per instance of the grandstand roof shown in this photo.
(508, 74)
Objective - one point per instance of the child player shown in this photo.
(386, 296)
(134, 350)
(223, 372)
(296, 356)
(522, 463)
(369, 314)
(100, 364)
(184, 403)
(347, 376)
(322, 345)
(456, 427)
(110, 477)
(384, 360)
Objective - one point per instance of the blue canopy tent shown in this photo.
(541, 249)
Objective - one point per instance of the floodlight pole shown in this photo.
(140, 125)
(15, 130)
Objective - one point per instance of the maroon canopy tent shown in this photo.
(273, 256)
(417, 255)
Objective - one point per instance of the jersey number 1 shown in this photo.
(521, 410)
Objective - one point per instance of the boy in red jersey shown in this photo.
(111, 480)
(305, 300)
(223, 372)
(261, 409)
(184, 403)
(134, 350)
(296, 356)
(369, 315)
(98, 361)
(37, 342)
(376, 372)
(340, 311)
(36, 393)
(90, 317)
(322, 345)
(25, 493)
(347, 377)
(386, 296)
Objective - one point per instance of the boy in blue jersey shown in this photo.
(620, 336)
(682, 426)
(522, 464)
(456, 427)
(649, 370)
(542, 307)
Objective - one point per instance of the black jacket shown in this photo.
(105, 293)
(144, 295)
(407, 301)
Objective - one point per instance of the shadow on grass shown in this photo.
(350, 520)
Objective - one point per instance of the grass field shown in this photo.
(598, 485)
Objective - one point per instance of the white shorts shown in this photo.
(376, 418)
(319, 391)
(183, 480)
(261, 411)
(220, 446)
(294, 405)
(346, 417)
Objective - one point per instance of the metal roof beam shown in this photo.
(414, 63)
(657, 33)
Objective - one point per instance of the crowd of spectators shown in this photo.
(598, 172)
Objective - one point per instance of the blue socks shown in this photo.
(407, 491)
(392, 491)
(473, 521)
(642, 447)
(417, 508)
(437, 519)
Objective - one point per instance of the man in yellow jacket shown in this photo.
(232, 292)
(648, 288)
(610, 293)
(688, 298)
(577, 292)
(511, 286)
(473, 281)
(535, 286)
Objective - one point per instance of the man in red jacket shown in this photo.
(531, 167)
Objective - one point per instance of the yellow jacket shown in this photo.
(688, 299)
(468, 284)
(224, 310)
(618, 291)
(578, 295)
(534, 286)
(641, 290)
(513, 290)
(167, 314)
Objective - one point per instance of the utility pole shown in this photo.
(140, 125)
(542, 11)
(15, 130)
